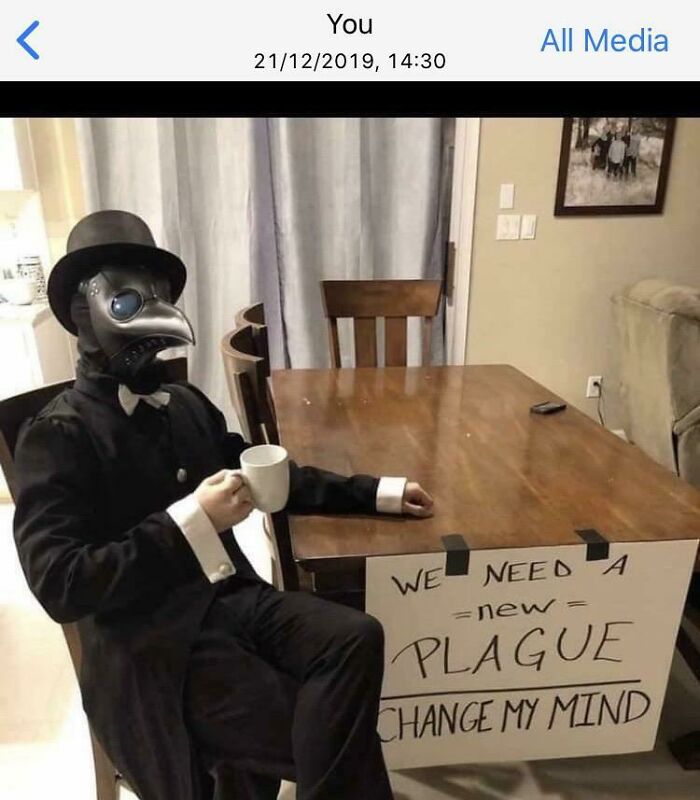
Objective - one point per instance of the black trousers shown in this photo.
(286, 685)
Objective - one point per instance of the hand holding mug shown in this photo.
(225, 499)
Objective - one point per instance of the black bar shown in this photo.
(347, 98)
(598, 547)
(457, 554)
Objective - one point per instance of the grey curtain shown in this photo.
(344, 198)
(262, 209)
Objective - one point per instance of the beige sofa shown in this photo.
(659, 327)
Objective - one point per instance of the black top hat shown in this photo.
(107, 238)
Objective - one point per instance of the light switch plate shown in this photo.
(508, 226)
(507, 195)
(529, 226)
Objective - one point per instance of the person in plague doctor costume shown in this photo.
(192, 664)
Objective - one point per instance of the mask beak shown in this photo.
(157, 326)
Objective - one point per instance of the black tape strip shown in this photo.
(597, 546)
(457, 554)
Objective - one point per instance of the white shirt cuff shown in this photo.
(196, 527)
(390, 495)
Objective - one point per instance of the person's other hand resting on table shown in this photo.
(416, 501)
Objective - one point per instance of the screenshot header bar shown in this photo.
(313, 41)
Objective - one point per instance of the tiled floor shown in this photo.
(45, 750)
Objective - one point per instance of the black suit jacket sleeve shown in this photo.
(312, 490)
(59, 530)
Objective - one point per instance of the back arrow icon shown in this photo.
(22, 40)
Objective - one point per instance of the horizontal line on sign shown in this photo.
(512, 689)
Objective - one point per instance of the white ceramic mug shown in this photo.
(265, 469)
(18, 291)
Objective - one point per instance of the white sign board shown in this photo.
(535, 653)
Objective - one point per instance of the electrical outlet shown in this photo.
(594, 385)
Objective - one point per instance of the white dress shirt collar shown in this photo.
(128, 400)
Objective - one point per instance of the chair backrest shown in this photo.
(248, 386)
(395, 301)
(13, 413)
(255, 317)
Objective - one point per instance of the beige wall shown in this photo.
(59, 179)
(544, 305)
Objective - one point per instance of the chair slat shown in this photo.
(366, 342)
(427, 341)
(246, 409)
(334, 342)
(395, 341)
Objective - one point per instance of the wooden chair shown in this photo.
(364, 301)
(255, 317)
(14, 411)
(249, 390)
(248, 386)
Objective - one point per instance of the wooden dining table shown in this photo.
(500, 475)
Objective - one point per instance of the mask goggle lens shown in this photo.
(126, 304)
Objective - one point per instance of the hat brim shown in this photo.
(74, 267)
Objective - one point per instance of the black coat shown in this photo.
(97, 546)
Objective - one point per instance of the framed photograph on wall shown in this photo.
(613, 165)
